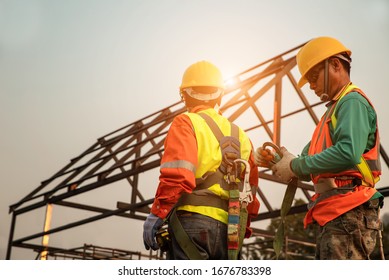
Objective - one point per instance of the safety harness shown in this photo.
(368, 179)
(227, 175)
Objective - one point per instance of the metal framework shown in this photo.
(126, 154)
(91, 252)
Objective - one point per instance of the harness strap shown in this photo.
(363, 166)
(237, 215)
(211, 179)
(213, 126)
(233, 229)
(182, 237)
(203, 198)
(340, 190)
(229, 145)
(216, 129)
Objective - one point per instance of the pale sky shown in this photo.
(72, 71)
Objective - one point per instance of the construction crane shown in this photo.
(254, 99)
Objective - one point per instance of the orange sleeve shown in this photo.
(180, 144)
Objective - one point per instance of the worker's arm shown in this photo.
(353, 135)
(177, 171)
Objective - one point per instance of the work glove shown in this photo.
(265, 157)
(282, 168)
(150, 228)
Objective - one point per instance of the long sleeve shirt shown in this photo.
(353, 136)
(181, 146)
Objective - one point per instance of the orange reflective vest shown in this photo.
(368, 170)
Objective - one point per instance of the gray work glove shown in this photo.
(282, 168)
(150, 228)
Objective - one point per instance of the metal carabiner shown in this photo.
(245, 195)
(276, 149)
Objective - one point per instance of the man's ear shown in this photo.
(336, 64)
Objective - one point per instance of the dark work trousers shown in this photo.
(208, 235)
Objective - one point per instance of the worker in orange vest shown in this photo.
(203, 215)
(342, 159)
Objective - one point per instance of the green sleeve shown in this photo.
(353, 135)
(304, 153)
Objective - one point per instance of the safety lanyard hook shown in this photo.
(245, 195)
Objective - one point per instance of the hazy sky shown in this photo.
(72, 71)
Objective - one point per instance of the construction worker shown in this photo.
(192, 189)
(342, 159)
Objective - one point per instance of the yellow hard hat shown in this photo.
(316, 51)
(202, 74)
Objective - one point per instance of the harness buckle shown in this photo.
(245, 195)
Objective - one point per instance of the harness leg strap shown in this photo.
(182, 238)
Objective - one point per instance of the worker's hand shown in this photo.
(150, 228)
(282, 169)
(265, 157)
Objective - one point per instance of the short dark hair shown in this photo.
(191, 102)
(346, 61)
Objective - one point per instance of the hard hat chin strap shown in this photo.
(191, 102)
(324, 96)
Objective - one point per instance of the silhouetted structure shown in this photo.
(131, 151)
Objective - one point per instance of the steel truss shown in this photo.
(125, 154)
